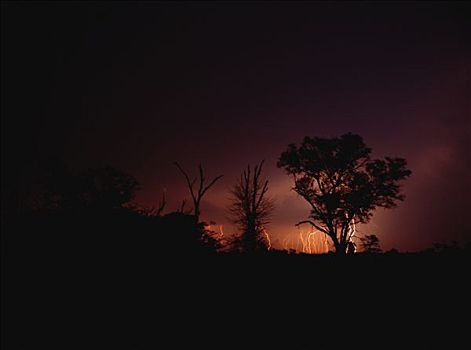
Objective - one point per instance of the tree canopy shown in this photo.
(342, 183)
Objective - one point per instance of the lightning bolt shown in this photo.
(312, 242)
(352, 230)
(285, 243)
(267, 236)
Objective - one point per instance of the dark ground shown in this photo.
(69, 289)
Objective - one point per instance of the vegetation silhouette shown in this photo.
(250, 210)
(96, 203)
(101, 189)
(370, 244)
(86, 267)
(341, 183)
(197, 193)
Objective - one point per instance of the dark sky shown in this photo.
(140, 85)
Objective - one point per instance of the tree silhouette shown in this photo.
(251, 209)
(151, 211)
(93, 189)
(341, 183)
(56, 186)
(162, 203)
(197, 194)
(181, 208)
(182, 234)
(370, 244)
(106, 188)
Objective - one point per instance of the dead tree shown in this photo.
(162, 205)
(181, 209)
(153, 211)
(251, 209)
(202, 188)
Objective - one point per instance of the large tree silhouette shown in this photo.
(341, 183)
(250, 210)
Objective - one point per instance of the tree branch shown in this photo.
(202, 189)
(162, 204)
(189, 183)
(314, 225)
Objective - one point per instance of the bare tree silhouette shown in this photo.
(181, 208)
(341, 183)
(197, 194)
(251, 209)
(152, 211)
(162, 203)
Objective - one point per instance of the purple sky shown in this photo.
(138, 86)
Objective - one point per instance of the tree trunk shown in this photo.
(340, 248)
